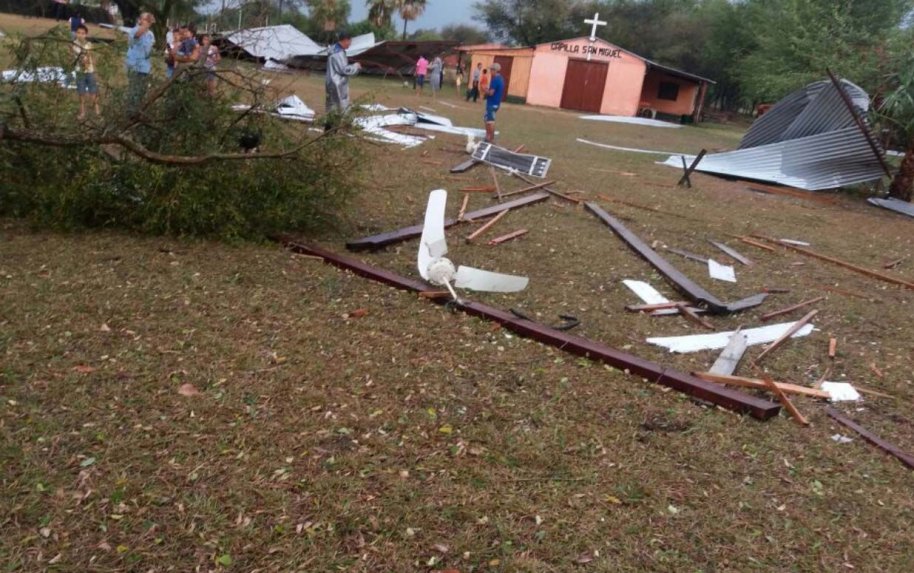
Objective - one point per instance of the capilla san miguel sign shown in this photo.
(584, 49)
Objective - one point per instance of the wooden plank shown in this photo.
(684, 284)
(391, 237)
(530, 188)
(732, 253)
(785, 401)
(465, 166)
(652, 307)
(688, 255)
(757, 244)
(576, 345)
(478, 189)
(486, 227)
(686, 312)
(691, 168)
(728, 360)
(463, 207)
(832, 347)
(789, 309)
(786, 336)
(904, 457)
(547, 189)
(858, 269)
(509, 237)
(434, 294)
(760, 384)
(495, 181)
(892, 264)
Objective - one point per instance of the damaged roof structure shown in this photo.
(813, 139)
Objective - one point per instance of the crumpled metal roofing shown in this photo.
(808, 140)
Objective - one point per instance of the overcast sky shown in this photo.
(438, 13)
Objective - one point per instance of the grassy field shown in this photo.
(171, 404)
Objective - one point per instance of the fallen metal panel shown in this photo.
(719, 340)
(465, 166)
(506, 159)
(812, 139)
(579, 346)
(732, 253)
(896, 205)
(384, 239)
(683, 283)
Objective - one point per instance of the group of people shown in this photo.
(339, 70)
(183, 49)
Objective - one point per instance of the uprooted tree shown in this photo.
(183, 162)
(897, 111)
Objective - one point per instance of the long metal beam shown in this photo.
(685, 285)
(579, 346)
(861, 125)
(379, 241)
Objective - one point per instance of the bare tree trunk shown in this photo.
(405, 21)
(903, 183)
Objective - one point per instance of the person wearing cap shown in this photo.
(339, 70)
(494, 94)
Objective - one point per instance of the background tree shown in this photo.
(896, 112)
(409, 10)
(465, 34)
(526, 22)
(380, 12)
(328, 15)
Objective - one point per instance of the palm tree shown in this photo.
(329, 13)
(897, 110)
(381, 11)
(410, 10)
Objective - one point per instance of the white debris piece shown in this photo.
(290, 107)
(842, 439)
(719, 340)
(44, 75)
(721, 272)
(629, 149)
(840, 391)
(646, 292)
(632, 120)
(795, 242)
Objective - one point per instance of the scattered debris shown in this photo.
(478, 189)
(529, 188)
(811, 139)
(796, 193)
(465, 166)
(730, 252)
(487, 225)
(841, 439)
(357, 313)
(728, 360)
(795, 242)
(708, 391)
(379, 241)
(652, 297)
(509, 237)
(692, 317)
(892, 264)
(510, 161)
(788, 310)
(903, 457)
(437, 269)
(892, 204)
(495, 182)
(832, 347)
(688, 255)
(794, 328)
(290, 107)
(43, 75)
(683, 283)
(568, 321)
(631, 120)
(762, 385)
(188, 390)
(855, 268)
(876, 370)
(463, 208)
(719, 340)
(629, 149)
(549, 190)
(749, 241)
(785, 401)
(721, 272)
(840, 391)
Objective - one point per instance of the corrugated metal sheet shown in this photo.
(808, 140)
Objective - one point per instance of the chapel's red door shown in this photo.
(505, 62)
(584, 85)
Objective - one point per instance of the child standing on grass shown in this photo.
(209, 56)
(86, 83)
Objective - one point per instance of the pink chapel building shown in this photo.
(613, 81)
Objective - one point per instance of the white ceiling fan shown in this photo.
(437, 269)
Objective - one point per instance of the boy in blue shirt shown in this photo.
(494, 95)
(139, 49)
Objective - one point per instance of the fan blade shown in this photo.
(432, 245)
(477, 279)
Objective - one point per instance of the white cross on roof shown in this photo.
(596, 22)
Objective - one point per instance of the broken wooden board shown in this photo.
(576, 345)
(684, 284)
(465, 166)
(744, 382)
(650, 295)
(785, 401)
(510, 161)
(487, 226)
(508, 237)
(902, 456)
(391, 237)
(789, 309)
(719, 340)
(794, 328)
(688, 255)
(729, 359)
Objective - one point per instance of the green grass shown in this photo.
(415, 439)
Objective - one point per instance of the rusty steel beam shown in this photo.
(579, 346)
(375, 242)
(861, 125)
(902, 456)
